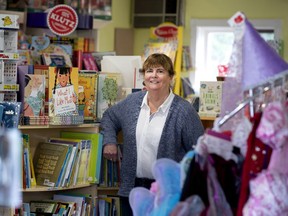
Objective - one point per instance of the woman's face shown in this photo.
(63, 79)
(157, 78)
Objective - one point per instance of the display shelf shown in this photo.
(207, 118)
(100, 190)
(207, 121)
(43, 189)
(39, 133)
(30, 127)
(93, 23)
(38, 20)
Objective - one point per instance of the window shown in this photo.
(151, 13)
(211, 45)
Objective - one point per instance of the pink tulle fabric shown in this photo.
(269, 192)
(273, 127)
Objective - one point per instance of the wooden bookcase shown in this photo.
(42, 133)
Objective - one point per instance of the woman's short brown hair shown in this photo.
(159, 59)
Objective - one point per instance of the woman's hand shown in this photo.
(110, 152)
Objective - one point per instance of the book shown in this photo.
(76, 144)
(109, 91)
(87, 96)
(49, 160)
(63, 91)
(83, 170)
(77, 59)
(10, 114)
(96, 151)
(22, 70)
(26, 162)
(44, 70)
(210, 98)
(34, 95)
(45, 207)
(78, 200)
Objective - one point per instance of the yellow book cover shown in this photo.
(63, 91)
(87, 96)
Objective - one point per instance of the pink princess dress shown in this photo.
(269, 190)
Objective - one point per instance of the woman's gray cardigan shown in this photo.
(181, 131)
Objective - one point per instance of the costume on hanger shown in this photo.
(269, 190)
(257, 158)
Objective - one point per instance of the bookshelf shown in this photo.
(8, 56)
(207, 121)
(96, 23)
(40, 133)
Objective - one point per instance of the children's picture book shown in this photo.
(109, 91)
(43, 70)
(87, 96)
(63, 91)
(34, 95)
(210, 98)
(49, 160)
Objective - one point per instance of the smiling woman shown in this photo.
(155, 123)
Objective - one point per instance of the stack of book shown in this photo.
(74, 159)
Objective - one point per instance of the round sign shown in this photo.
(166, 31)
(62, 20)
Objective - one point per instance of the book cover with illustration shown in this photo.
(63, 91)
(210, 98)
(87, 96)
(34, 95)
(109, 91)
(44, 70)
